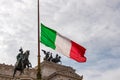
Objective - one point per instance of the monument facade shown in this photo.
(50, 71)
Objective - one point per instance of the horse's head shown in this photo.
(26, 54)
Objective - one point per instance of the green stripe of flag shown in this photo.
(48, 36)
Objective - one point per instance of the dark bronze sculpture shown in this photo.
(49, 57)
(56, 59)
(22, 62)
(46, 54)
(26, 59)
(20, 57)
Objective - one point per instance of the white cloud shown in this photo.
(101, 75)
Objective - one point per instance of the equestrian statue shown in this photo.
(22, 62)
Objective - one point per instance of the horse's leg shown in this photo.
(24, 66)
(28, 66)
(14, 73)
(22, 71)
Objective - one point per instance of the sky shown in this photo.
(93, 24)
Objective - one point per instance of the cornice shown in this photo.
(57, 66)
(66, 74)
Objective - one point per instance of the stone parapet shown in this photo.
(49, 70)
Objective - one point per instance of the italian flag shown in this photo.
(61, 44)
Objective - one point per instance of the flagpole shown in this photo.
(39, 65)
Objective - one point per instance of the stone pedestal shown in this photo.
(50, 71)
(53, 71)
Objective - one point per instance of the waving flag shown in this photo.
(61, 44)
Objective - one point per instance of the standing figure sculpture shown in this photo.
(22, 62)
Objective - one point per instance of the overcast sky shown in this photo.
(94, 24)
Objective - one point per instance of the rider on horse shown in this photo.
(22, 61)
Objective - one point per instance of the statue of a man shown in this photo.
(20, 55)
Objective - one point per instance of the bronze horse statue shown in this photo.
(26, 60)
(49, 57)
(22, 64)
(56, 59)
